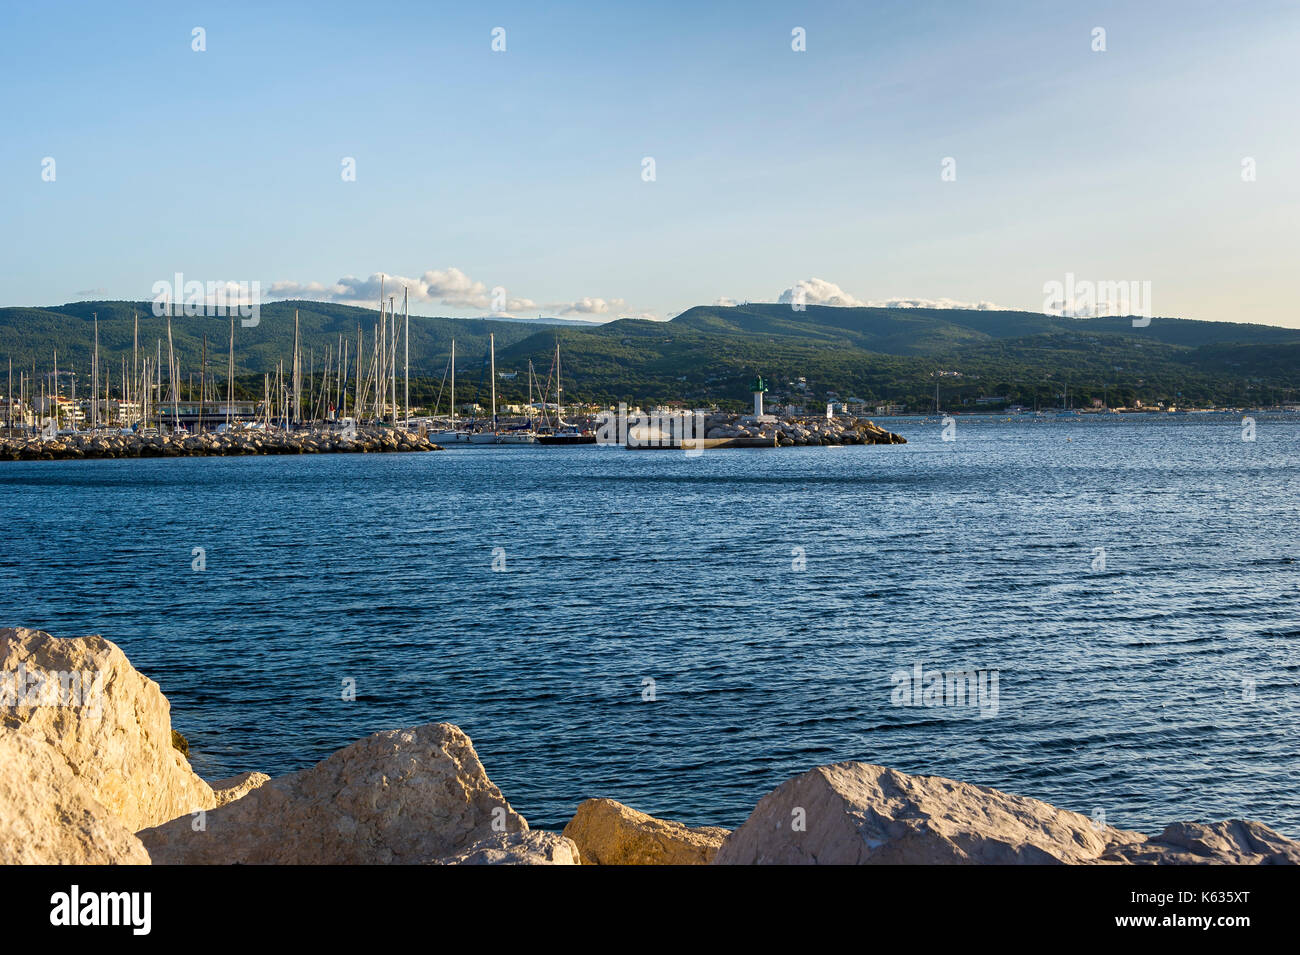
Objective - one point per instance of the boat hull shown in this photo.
(450, 437)
(565, 439)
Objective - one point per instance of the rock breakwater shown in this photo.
(232, 443)
(721, 430)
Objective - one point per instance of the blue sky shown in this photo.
(522, 169)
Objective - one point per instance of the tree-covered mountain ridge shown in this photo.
(709, 354)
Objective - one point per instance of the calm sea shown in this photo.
(683, 634)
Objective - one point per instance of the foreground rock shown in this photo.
(47, 817)
(857, 813)
(609, 833)
(405, 796)
(533, 847)
(237, 442)
(110, 724)
(1235, 842)
(236, 787)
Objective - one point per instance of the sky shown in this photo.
(634, 160)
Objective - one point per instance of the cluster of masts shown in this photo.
(150, 391)
(374, 395)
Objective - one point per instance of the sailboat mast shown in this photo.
(392, 364)
(381, 355)
(492, 345)
(94, 378)
(296, 411)
(203, 381)
(453, 384)
(171, 377)
(230, 375)
(406, 368)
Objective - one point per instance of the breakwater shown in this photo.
(720, 430)
(91, 445)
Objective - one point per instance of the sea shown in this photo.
(1102, 612)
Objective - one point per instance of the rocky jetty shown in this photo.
(89, 774)
(800, 431)
(722, 430)
(229, 443)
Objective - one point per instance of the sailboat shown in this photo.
(564, 433)
(452, 436)
(496, 436)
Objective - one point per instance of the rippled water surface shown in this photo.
(1162, 687)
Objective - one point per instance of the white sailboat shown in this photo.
(564, 432)
(495, 436)
(516, 437)
(452, 436)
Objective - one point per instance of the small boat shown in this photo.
(572, 436)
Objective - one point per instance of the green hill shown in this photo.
(708, 354)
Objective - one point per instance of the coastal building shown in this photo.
(61, 408)
(207, 415)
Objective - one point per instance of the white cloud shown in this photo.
(820, 292)
(817, 292)
(589, 306)
(448, 287)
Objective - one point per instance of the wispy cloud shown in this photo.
(450, 288)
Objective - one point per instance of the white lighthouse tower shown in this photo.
(759, 387)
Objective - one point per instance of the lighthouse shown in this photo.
(758, 387)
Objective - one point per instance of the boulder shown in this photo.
(47, 817)
(109, 723)
(235, 787)
(858, 813)
(403, 796)
(1235, 842)
(609, 833)
(533, 847)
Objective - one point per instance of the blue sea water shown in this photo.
(770, 595)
